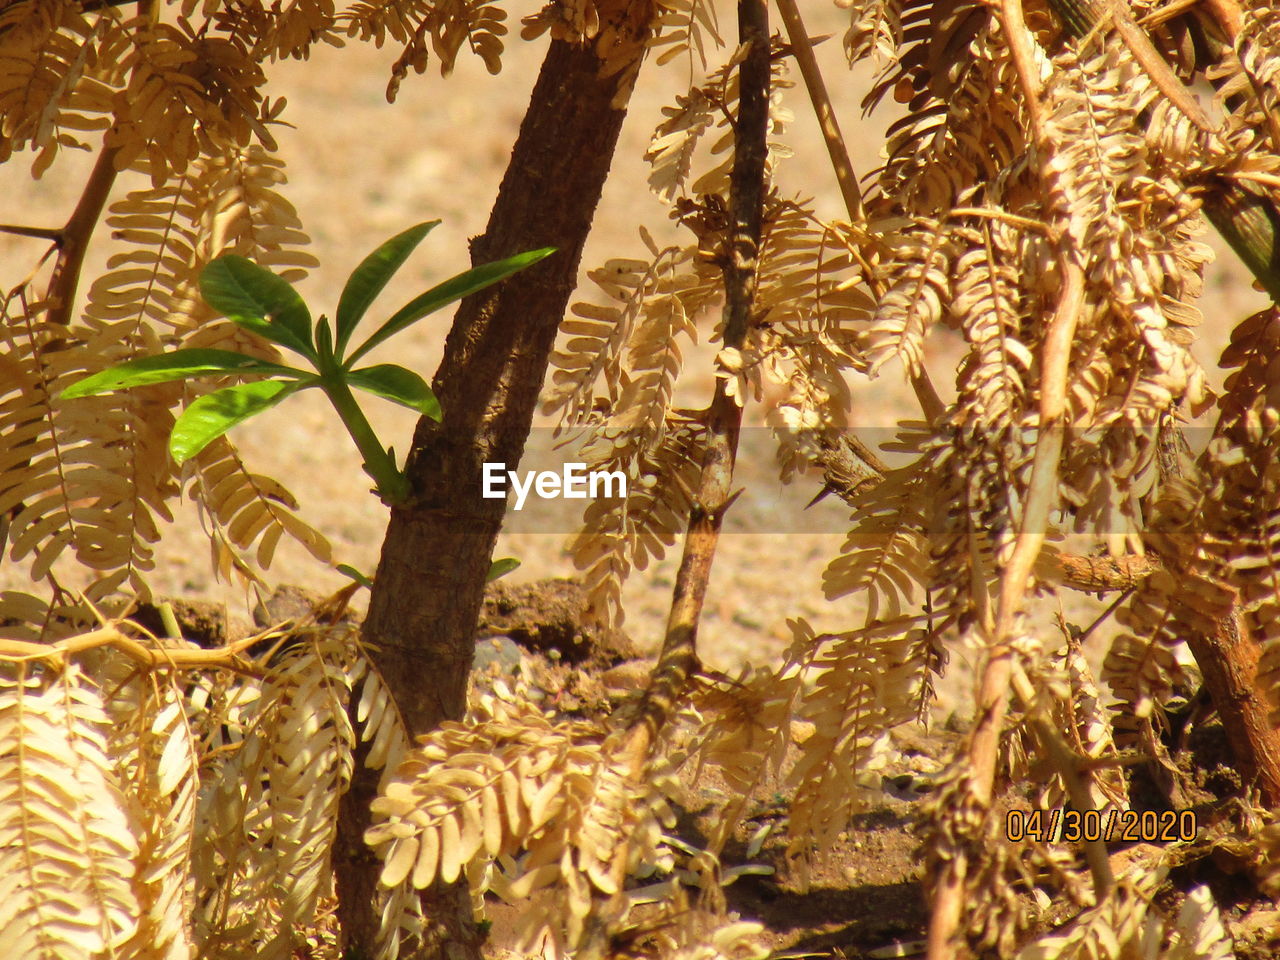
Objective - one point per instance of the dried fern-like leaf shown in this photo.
(634, 345)
(710, 107)
(917, 289)
(679, 28)
(885, 557)
(479, 24)
(271, 815)
(865, 682)
(1218, 533)
(745, 724)
(874, 26)
(68, 863)
(301, 761)
(994, 374)
(655, 305)
(277, 30)
(94, 474)
(47, 48)
(91, 474)
(245, 508)
(227, 203)
(964, 828)
(542, 801)
(187, 93)
(963, 133)
(622, 533)
(1198, 932)
(378, 719)
(1127, 923)
(1119, 215)
(223, 711)
(158, 761)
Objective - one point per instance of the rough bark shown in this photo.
(1228, 658)
(436, 555)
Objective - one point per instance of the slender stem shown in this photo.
(1229, 13)
(993, 698)
(1068, 764)
(171, 628)
(392, 485)
(1250, 224)
(822, 108)
(227, 656)
(1014, 26)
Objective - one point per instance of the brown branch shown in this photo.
(1228, 658)
(438, 548)
(1153, 64)
(1250, 224)
(822, 108)
(993, 697)
(1082, 17)
(73, 242)
(930, 403)
(1229, 15)
(227, 657)
(639, 721)
(1105, 574)
(724, 416)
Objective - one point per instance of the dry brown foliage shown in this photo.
(158, 800)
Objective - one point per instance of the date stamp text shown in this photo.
(1122, 826)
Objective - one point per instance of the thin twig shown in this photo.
(227, 656)
(1027, 223)
(724, 420)
(40, 233)
(1167, 12)
(1229, 14)
(822, 108)
(927, 395)
(1069, 765)
(1155, 67)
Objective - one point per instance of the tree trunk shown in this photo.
(436, 555)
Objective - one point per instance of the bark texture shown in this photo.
(436, 555)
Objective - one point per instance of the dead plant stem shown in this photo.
(993, 697)
(926, 393)
(822, 108)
